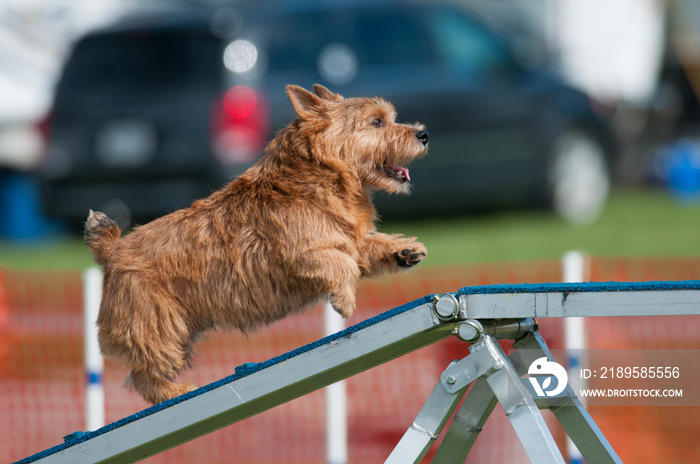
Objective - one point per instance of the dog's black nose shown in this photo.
(423, 136)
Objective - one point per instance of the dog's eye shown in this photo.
(377, 123)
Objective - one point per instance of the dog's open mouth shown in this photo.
(397, 172)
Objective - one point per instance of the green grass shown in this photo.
(635, 223)
(64, 253)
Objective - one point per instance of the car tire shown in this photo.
(578, 177)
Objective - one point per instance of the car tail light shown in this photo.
(239, 125)
(43, 128)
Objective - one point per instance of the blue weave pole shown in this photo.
(255, 387)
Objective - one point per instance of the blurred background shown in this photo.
(555, 125)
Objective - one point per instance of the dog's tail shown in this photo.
(101, 234)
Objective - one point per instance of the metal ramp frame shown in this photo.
(474, 314)
(498, 380)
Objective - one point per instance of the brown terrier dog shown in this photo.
(296, 228)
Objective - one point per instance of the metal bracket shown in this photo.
(483, 361)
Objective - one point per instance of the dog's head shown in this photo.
(361, 133)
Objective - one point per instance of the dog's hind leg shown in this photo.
(163, 357)
(155, 389)
(148, 330)
(153, 379)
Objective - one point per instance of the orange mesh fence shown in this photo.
(42, 378)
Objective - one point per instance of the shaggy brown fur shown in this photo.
(296, 228)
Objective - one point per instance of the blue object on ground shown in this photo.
(21, 216)
(684, 170)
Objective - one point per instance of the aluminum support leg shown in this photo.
(423, 432)
(568, 410)
(522, 411)
(467, 424)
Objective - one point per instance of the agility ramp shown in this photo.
(479, 315)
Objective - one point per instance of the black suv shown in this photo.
(159, 110)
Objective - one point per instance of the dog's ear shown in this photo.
(306, 104)
(326, 94)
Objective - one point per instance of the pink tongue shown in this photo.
(402, 170)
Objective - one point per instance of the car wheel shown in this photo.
(579, 177)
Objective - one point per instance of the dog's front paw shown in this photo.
(409, 257)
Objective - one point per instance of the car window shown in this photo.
(374, 36)
(143, 63)
(465, 45)
(386, 38)
(294, 42)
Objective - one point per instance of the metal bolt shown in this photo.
(446, 306)
(451, 380)
(470, 330)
